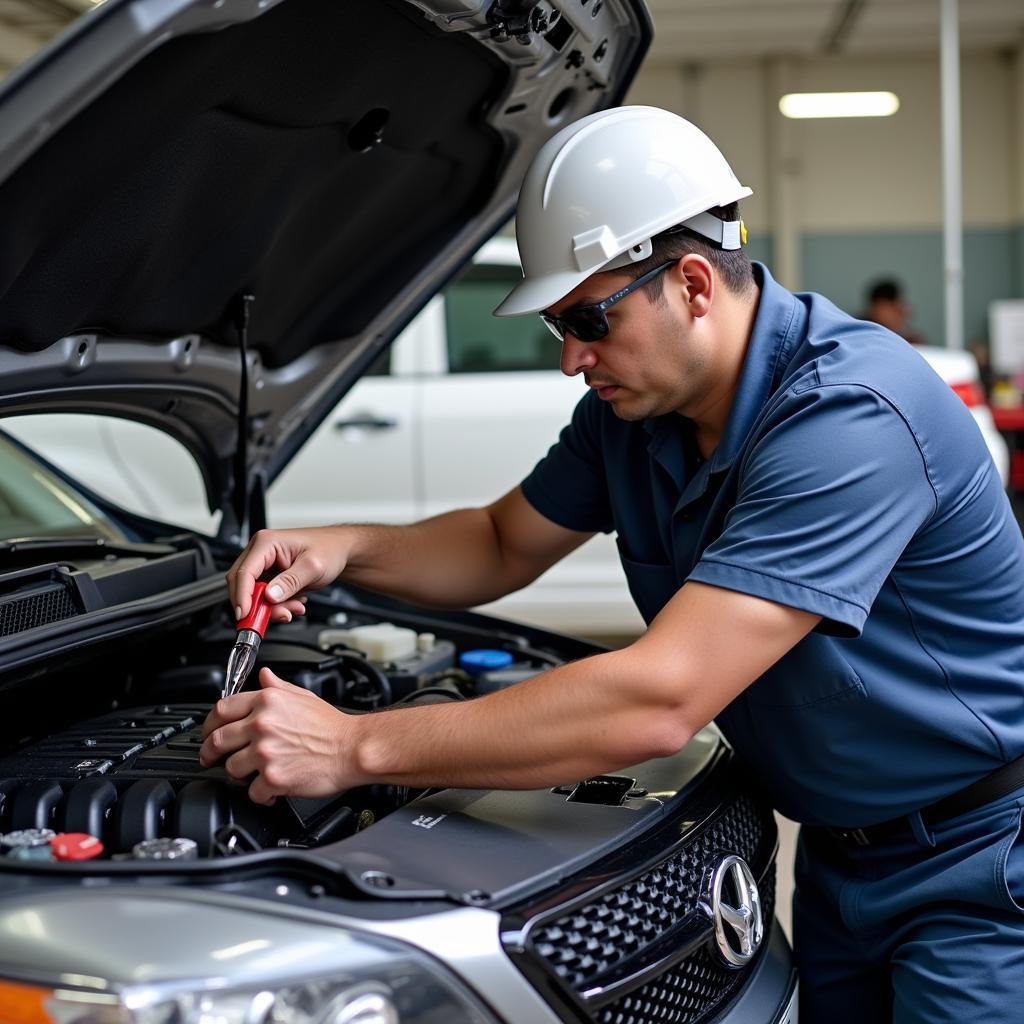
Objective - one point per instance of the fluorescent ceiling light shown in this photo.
(839, 104)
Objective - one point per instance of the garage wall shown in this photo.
(839, 203)
(1017, 130)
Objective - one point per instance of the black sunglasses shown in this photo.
(588, 323)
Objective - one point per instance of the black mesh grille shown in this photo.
(48, 604)
(599, 935)
(679, 996)
(692, 990)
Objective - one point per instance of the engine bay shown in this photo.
(100, 759)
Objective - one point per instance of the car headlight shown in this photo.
(312, 1003)
(157, 960)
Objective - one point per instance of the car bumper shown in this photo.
(770, 993)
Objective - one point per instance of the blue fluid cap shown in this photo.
(484, 660)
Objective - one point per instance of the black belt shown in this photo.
(1001, 782)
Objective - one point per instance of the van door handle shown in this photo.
(367, 422)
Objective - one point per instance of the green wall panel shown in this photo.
(1018, 241)
(760, 247)
(842, 266)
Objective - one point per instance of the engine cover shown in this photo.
(135, 775)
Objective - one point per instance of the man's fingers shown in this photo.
(261, 793)
(221, 741)
(260, 556)
(243, 576)
(270, 681)
(242, 763)
(305, 573)
(241, 592)
(229, 709)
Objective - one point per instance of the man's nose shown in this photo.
(577, 356)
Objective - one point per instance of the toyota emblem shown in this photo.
(736, 911)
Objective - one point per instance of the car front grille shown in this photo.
(600, 935)
(692, 990)
(614, 934)
(22, 611)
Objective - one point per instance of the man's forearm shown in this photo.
(575, 721)
(453, 560)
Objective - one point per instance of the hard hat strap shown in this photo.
(725, 233)
(728, 234)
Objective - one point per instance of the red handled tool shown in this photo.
(247, 644)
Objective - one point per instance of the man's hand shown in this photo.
(296, 742)
(306, 560)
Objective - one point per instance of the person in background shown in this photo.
(886, 306)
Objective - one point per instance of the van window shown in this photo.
(478, 341)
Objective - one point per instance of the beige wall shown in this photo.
(865, 173)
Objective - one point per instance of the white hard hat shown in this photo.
(598, 190)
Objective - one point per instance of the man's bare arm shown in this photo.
(461, 558)
(596, 715)
(455, 560)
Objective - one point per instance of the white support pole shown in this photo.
(784, 172)
(952, 225)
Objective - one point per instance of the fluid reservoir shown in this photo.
(494, 670)
(483, 659)
(381, 641)
(488, 682)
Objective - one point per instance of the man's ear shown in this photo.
(693, 273)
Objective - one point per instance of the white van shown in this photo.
(458, 411)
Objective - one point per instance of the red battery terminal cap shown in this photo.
(75, 846)
(259, 613)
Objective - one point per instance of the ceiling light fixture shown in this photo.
(839, 104)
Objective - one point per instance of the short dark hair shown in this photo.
(885, 290)
(733, 265)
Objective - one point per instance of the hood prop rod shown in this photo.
(241, 497)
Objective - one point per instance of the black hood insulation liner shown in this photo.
(289, 156)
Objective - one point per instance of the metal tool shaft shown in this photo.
(241, 660)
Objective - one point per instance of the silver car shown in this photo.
(217, 215)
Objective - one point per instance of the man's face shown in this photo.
(652, 361)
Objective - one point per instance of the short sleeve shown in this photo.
(569, 485)
(829, 496)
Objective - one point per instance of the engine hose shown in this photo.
(431, 691)
(370, 672)
(551, 660)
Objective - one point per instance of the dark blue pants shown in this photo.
(923, 928)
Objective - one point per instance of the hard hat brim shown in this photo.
(531, 296)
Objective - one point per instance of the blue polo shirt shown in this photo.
(853, 483)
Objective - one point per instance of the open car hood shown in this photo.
(185, 181)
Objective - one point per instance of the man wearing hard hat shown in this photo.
(812, 527)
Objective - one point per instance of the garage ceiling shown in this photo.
(692, 30)
(701, 30)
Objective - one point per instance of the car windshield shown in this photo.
(26, 26)
(36, 503)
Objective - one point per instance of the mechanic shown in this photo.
(812, 527)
